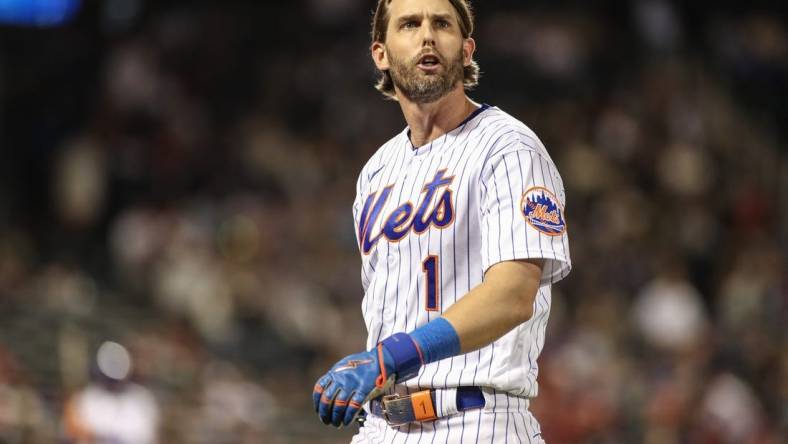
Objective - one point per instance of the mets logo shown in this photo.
(353, 364)
(434, 209)
(542, 211)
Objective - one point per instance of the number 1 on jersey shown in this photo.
(431, 287)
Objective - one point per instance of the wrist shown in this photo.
(404, 355)
(437, 340)
(407, 353)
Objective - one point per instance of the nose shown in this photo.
(427, 37)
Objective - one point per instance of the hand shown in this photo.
(354, 380)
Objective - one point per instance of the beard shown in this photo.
(419, 87)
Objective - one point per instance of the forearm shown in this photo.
(496, 306)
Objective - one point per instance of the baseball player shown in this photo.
(461, 228)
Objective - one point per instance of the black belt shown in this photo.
(398, 410)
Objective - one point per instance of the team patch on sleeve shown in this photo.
(542, 211)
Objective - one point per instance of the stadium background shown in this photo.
(177, 177)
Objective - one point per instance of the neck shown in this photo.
(428, 121)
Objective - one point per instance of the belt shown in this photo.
(399, 410)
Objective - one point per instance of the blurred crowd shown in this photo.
(176, 188)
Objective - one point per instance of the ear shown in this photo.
(468, 48)
(378, 51)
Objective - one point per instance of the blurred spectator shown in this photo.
(730, 413)
(112, 409)
(233, 406)
(23, 415)
(669, 313)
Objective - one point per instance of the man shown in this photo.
(461, 229)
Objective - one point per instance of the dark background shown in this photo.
(177, 177)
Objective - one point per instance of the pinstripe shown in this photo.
(498, 202)
(533, 183)
(512, 193)
(489, 154)
(385, 432)
(533, 428)
(407, 437)
(525, 426)
(530, 344)
(525, 226)
(495, 415)
(552, 263)
(448, 427)
(478, 425)
(507, 420)
(542, 325)
(462, 427)
(532, 373)
(434, 433)
(514, 421)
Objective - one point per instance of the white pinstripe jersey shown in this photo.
(429, 222)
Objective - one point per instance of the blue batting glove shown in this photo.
(358, 378)
(340, 393)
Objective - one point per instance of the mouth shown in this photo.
(429, 63)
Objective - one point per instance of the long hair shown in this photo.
(380, 23)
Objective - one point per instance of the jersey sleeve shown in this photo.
(522, 211)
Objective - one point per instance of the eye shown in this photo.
(441, 23)
(409, 24)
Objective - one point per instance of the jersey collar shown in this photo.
(428, 146)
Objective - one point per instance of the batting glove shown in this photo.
(358, 378)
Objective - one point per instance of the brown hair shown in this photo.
(380, 24)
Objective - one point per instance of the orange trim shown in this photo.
(418, 349)
(355, 404)
(423, 409)
(381, 379)
(318, 388)
(340, 402)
